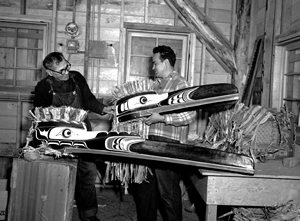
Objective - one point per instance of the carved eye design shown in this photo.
(143, 100)
(66, 133)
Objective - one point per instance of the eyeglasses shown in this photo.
(62, 71)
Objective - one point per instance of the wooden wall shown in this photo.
(111, 16)
(14, 125)
(107, 17)
(272, 19)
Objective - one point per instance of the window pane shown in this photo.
(7, 36)
(29, 58)
(21, 54)
(29, 38)
(176, 45)
(135, 78)
(8, 57)
(178, 65)
(141, 66)
(297, 67)
(142, 46)
(28, 77)
(106, 86)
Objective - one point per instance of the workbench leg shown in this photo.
(211, 213)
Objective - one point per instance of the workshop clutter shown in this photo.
(59, 114)
(254, 131)
(289, 211)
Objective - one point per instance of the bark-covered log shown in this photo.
(241, 45)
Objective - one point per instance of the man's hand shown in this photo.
(154, 118)
(109, 109)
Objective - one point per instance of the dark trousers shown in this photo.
(162, 190)
(85, 191)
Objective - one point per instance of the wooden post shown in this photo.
(268, 53)
(87, 38)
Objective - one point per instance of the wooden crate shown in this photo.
(42, 190)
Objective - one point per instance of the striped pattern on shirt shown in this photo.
(176, 126)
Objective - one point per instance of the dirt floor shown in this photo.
(114, 205)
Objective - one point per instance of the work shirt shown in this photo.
(44, 94)
(176, 126)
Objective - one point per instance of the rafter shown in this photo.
(206, 31)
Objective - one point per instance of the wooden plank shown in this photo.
(151, 27)
(32, 15)
(160, 11)
(211, 213)
(268, 54)
(8, 150)
(252, 30)
(232, 22)
(293, 46)
(251, 191)
(8, 136)
(284, 39)
(291, 161)
(272, 169)
(242, 36)
(286, 16)
(253, 71)
(8, 122)
(278, 80)
(260, 28)
(262, 4)
(9, 99)
(221, 4)
(220, 15)
(295, 12)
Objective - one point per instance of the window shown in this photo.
(22, 48)
(292, 95)
(142, 38)
(289, 79)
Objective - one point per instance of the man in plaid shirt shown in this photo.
(162, 188)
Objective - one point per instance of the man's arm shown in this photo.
(42, 97)
(88, 98)
(180, 119)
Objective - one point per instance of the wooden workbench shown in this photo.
(271, 185)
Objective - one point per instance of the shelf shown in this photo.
(292, 73)
(287, 38)
(292, 99)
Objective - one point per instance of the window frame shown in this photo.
(161, 32)
(30, 25)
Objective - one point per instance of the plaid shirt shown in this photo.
(176, 126)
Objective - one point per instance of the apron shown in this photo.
(72, 99)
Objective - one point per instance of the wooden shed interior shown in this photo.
(214, 40)
(253, 44)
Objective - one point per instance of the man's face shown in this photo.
(60, 71)
(159, 66)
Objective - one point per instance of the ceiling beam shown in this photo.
(206, 31)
